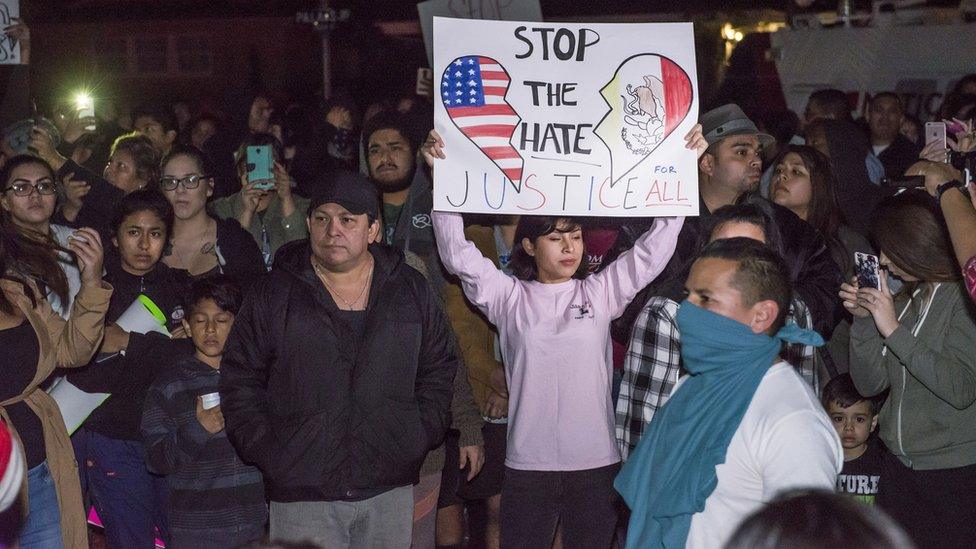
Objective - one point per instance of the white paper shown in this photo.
(76, 405)
(9, 48)
(565, 119)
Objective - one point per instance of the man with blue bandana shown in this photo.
(742, 426)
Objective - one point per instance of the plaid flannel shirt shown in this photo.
(653, 364)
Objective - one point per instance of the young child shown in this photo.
(215, 500)
(855, 418)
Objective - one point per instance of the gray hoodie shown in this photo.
(930, 366)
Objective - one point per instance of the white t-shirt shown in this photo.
(785, 441)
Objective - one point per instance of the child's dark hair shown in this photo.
(842, 392)
(220, 289)
(148, 199)
(533, 227)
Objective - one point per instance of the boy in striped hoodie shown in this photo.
(215, 500)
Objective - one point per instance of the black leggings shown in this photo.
(583, 502)
(936, 507)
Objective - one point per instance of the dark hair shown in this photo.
(824, 212)
(910, 230)
(757, 213)
(842, 392)
(888, 95)
(221, 289)
(160, 113)
(811, 519)
(534, 227)
(189, 151)
(254, 140)
(144, 154)
(832, 101)
(149, 199)
(392, 120)
(760, 274)
(29, 260)
(19, 160)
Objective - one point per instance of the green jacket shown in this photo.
(280, 230)
(929, 416)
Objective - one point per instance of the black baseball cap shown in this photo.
(351, 190)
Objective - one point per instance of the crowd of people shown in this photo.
(334, 364)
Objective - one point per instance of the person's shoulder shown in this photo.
(174, 378)
(230, 229)
(782, 391)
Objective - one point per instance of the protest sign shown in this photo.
(504, 10)
(9, 48)
(565, 119)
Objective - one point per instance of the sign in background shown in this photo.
(919, 62)
(503, 10)
(9, 48)
(565, 119)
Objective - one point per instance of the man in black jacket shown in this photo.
(885, 115)
(337, 379)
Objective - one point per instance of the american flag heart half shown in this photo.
(649, 96)
(473, 91)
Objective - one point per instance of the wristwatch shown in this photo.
(954, 184)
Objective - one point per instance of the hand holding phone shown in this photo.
(259, 167)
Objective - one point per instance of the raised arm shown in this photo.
(484, 285)
(637, 267)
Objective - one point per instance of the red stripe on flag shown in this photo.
(500, 153)
(515, 174)
(487, 110)
(489, 130)
(494, 90)
(677, 94)
(487, 60)
(494, 75)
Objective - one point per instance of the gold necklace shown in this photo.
(334, 292)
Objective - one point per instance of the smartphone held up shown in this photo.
(868, 270)
(260, 167)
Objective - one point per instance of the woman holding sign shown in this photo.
(553, 321)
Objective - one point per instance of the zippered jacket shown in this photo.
(929, 364)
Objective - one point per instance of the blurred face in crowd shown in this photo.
(735, 164)
(151, 128)
(339, 238)
(187, 203)
(894, 269)
(121, 172)
(910, 130)
(854, 424)
(35, 210)
(391, 162)
(140, 239)
(259, 119)
(201, 132)
(791, 186)
(814, 111)
(208, 326)
(557, 254)
(884, 119)
(816, 137)
(737, 229)
(710, 286)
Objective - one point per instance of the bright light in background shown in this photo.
(84, 101)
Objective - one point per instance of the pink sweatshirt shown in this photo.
(555, 341)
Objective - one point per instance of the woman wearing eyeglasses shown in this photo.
(28, 202)
(275, 216)
(90, 199)
(202, 244)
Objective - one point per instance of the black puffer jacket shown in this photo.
(323, 421)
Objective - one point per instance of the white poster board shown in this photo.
(9, 48)
(565, 119)
(863, 61)
(502, 10)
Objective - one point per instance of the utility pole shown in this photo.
(324, 20)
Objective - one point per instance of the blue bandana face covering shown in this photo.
(672, 471)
